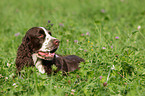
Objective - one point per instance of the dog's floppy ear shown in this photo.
(24, 53)
(26, 39)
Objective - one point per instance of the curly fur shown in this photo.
(24, 54)
(31, 44)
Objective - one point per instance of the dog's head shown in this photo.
(41, 42)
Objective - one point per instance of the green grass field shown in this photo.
(108, 34)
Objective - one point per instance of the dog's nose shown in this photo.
(56, 42)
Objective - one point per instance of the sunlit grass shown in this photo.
(108, 34)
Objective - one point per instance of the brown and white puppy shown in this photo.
(38, 49)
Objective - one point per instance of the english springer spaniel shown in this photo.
(38, 49)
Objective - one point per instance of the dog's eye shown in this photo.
(49, 33)
(41, 36)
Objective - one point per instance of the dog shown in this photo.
(38, 49)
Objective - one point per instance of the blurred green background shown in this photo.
(105, 33)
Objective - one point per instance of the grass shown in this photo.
(94, 25)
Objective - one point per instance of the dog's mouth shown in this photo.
(47, 55)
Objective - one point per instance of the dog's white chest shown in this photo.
(38, 63)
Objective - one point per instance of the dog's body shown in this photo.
(38, 49)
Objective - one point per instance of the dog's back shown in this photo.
(72, 62)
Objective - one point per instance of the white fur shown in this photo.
(34, 57)
(56, 56)
(39, 66)
(46, 42)
(38, 63)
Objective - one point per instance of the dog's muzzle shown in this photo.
(52, 47)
